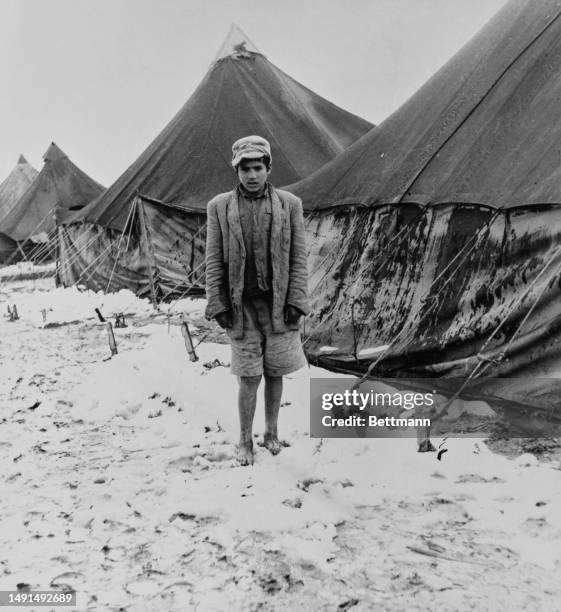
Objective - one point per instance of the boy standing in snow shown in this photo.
(256, 284)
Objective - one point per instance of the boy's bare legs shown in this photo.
(273, 394)
(247, 398)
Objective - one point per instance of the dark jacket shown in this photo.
(225, 259)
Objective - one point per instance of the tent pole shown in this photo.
(148, 250)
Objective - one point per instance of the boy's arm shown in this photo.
(216, 282)
(297, 295)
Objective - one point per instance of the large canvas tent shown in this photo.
(189, 162)
(59, 187)
(438, 235)
(11, 190)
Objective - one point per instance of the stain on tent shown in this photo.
(439, 233)
(11, 190)
(59, 187)
(189, 162)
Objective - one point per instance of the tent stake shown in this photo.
(188, 341)
(111, 338)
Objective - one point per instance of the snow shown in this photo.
(122, 483)
(327, 349)
(375, 350)
(25, 267)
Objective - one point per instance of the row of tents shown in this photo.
(435, 237)
(33, 204)
(159, 202)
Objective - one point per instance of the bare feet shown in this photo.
(244, 456)
(272, 443)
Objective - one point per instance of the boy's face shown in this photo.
(253, 174)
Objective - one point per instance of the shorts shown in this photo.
(261, 351)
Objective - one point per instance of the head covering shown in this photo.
(250, 147)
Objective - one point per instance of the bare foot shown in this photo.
(426, 447)
(244, 455)
(267, 442)
(272, 444)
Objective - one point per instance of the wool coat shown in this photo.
(225, 259)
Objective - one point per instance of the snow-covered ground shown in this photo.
(26, 269)
(119, 481)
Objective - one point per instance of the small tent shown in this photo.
(59, 187)
(15, 185)
(189, 162)
(436, 239)
(11, 190)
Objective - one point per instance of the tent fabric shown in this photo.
(189, 162)
(176, 253)
(484, 129)
(82, 245)
(59, 186)
(435, 287)
(15, 185)
(178, 242)
(8, 249)
(452, 253)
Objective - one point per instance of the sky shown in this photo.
(102, 78)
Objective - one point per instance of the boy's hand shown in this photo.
(291, 314)
(224, 319)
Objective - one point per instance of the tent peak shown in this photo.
(22, 160)
(54, 153)
(237, 45)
